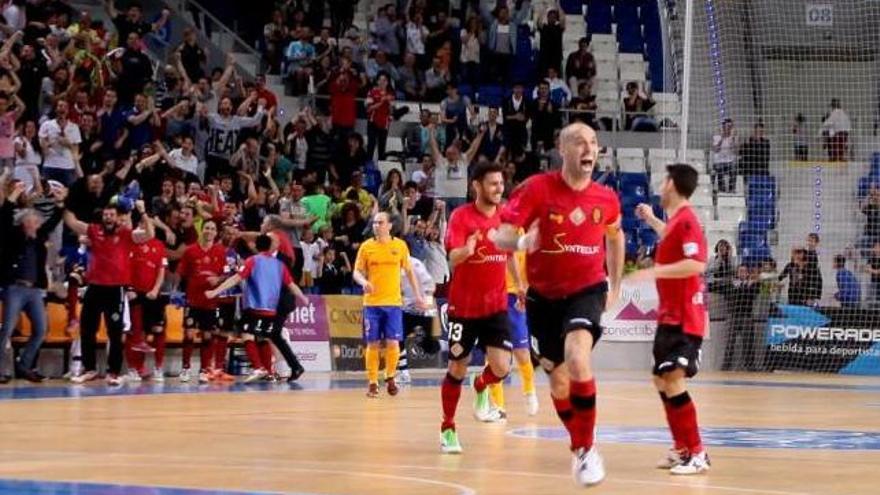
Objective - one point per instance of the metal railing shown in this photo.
(207, 23)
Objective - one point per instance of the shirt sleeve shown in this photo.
(404, 256)
(613, 210)
(522, 209)
(247, 267)
(285, 276)
(360, 262)
(455, 234)
(693, 244)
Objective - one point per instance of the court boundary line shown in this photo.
(268, 465)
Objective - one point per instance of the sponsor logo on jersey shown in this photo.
(481, 257)
(562, 247)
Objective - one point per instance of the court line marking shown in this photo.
(462, 489)
(224, 462)
(76, 484)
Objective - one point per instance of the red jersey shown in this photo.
(479, 283)
(109, 256)
(196, 266)
(380, 117)
(147, 260)
(681, 300)
(572, 225)
(343, 110)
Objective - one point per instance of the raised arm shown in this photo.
(646, 213)
(76, 225)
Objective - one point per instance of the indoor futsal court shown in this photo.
(767, 434)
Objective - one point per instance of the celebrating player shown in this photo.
(569, 219)
(112, 242)
(264, 276)
(477, 301)
(147, 306)
(681, 323)
(201, 267)
(377, 270)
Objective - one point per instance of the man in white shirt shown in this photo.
(60, 138)
(836, 129)
(415, 320)
(183, 157)
(724, 158)
(451, 173)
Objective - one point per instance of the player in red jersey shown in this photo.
(477, 301)
(570, 219)
(201, 268)
(146, 304)
(680, 261)
(109, 273)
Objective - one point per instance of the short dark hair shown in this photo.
(484, 168)
(813, 236)
(411, 184)
(840, 260)
(263, 243)
(684, 177)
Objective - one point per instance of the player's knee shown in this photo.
(458, 369)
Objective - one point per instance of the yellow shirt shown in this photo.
(381, 264)
(521, 264)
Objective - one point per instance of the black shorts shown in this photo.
(464, 333)
(227, 320)
(675, 349)
(257, 325)
(550, 320)
(205, 320)
(153, 311)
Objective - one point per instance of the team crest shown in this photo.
(597, 215)
(393, 252)
(456, 349)
(577, 216)
(556, 217)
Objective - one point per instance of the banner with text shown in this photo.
(827, 340)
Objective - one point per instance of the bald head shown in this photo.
(579, 147)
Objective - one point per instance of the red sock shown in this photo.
(220, 346)
(683, 415)
(266, 355)
(136, 336)
(583, 401)
(250, 347)
(676, 437)
(159, 344)
(206, 353)
(564, 411)
(187, 351)
(485, 379)
(72, 298)
(450, 391)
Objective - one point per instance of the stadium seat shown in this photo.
(490, 95)
(572, 6)
(599, 18)
(631, 160)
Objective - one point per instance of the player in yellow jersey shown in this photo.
(377, 270)
(519, 336)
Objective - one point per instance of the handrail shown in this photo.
(181, 8)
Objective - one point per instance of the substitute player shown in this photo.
(570, 219)
(377, 270)
(519, 337)
(146, 304)
(679, 264)
(477, 301)
(264, 276)
(201, 267)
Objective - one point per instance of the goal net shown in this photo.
(784, 99)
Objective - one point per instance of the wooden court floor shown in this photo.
(327, 438)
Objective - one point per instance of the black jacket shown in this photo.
(14, 245)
